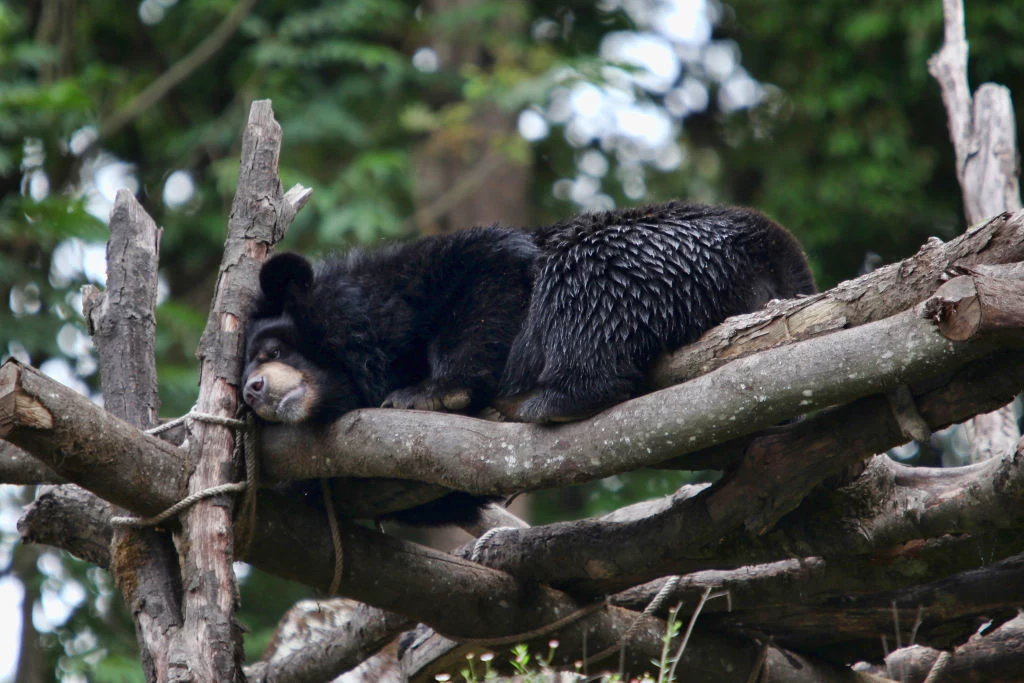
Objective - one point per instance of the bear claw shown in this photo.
(429, 398)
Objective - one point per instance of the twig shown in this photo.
(178, 72)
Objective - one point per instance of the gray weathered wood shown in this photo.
(870, 297)
(208, 647)
(984, 136)
(122, 322)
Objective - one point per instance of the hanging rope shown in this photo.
(244, 446)
(332, 521)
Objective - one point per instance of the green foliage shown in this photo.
(852, 152)
(611, 493)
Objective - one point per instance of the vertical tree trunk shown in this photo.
(984, 136)
(122, 322)
(209, 646)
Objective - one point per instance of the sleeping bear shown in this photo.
(548, 325)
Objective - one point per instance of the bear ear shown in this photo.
(285, 278)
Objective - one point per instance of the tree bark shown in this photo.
(984, 137)
(876, 295)
(317, 640)
(122, 322)
(209, 646)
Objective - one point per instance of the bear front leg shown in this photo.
(448, 394)
(465, 364)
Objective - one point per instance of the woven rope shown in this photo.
(245, 444)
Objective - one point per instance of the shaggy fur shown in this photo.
(550, 325)
(614, 290)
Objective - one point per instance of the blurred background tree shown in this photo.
(418, 117)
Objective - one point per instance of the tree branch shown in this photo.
(209, 644)
(178, 72)
(748, 394)
(20, 468)
(984, 137)
(870, 297)
(319, 640)
(983, 131)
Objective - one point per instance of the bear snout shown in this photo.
(255, 392)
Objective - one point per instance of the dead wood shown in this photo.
(984, 136)
(209, 646)
(122, 323)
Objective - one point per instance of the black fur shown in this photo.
(408, 324)
(550, 325)
(614, 290)
(434, 315)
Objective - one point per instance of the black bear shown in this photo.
(550, 325)
(614, 290)
(425, 325)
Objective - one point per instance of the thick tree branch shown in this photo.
(982, 130)
(121, 319)
(318, 640)
(720, 527)
(891, 529)
(874, 296)
(20, 468)
(209, 644)
(749, 394)
(83, 443)
(70, 518)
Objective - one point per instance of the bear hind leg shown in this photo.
(569, 390)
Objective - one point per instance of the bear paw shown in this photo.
(436, 395)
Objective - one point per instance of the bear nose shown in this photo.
(255, 390)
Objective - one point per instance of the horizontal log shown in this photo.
(81, 442)
(870, 297)
(725, 525)
(746, 395)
